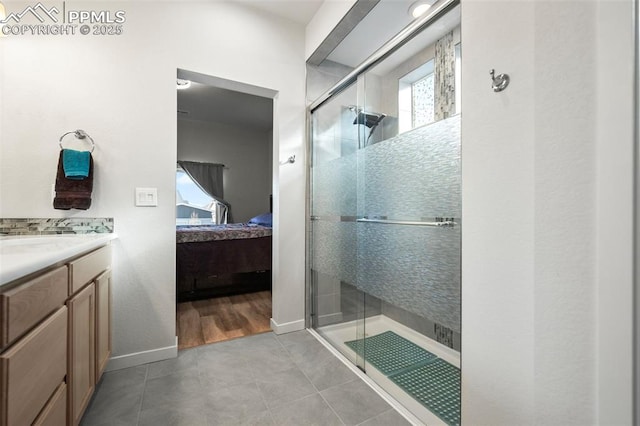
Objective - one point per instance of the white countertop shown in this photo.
(23, 255)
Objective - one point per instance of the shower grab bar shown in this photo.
(447, 223)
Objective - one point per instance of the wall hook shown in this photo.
(499, 82)
(289, 160)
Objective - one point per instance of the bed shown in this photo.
(216, 260)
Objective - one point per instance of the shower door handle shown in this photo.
(448, 223)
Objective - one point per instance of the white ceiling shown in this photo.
(208, 103)
(300, 11)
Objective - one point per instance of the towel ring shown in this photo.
(79, 134)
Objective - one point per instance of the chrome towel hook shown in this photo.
(499, 82)
(289, 160)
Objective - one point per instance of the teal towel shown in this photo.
(75, 164)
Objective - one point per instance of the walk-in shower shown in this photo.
(385, 217)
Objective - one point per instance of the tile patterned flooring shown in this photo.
(265, 379)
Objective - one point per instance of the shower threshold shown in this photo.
(337, 334)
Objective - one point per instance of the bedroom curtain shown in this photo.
(208, 176)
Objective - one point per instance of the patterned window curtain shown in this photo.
(208, 176)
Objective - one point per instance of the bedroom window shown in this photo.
(193, 206)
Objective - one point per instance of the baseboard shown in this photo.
(287, 327)
(145, 357)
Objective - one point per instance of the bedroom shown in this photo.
(223, 210)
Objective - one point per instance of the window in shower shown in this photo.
(416, 94)
(416, 98)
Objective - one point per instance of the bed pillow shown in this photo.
(264, 219)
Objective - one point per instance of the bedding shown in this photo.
(230, 231)
(264, 219)
(222, 259)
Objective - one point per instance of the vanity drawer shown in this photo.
(24, 306)
(55, 412)
(32, 369)
(86, 268)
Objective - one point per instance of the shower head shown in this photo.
(370, 120)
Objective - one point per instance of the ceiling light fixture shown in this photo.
(182, 84)
(419, 8)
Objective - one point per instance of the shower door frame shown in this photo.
(636, 214)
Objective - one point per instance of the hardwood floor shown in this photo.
(222, 318)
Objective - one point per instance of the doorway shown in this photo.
(224, 187)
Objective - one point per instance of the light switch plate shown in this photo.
(146, 197)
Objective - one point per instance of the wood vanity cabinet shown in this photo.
(103, 322)
(32, 369)
(55, 341)
(88, 277)
(81, 372)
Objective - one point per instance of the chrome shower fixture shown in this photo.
(369, 119)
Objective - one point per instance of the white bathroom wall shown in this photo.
(498, 204)
(546, 208)
(614, 212)
(245, 154)
(121, 90)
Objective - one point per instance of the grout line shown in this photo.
(144, 391)
(368, 381)
(310, 381)
(379, 415)
(331, 407)
(317, 390)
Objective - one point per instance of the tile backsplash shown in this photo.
(44, 226)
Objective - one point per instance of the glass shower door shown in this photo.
(409, 224)
(337, 306)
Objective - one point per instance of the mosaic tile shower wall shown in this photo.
(413, 176)
(445, 80)
(41, 226)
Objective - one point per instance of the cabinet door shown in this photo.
(87, 267)
(32, 369)
(55, 412)
(103, 322)
(24, 306)
(82, 341)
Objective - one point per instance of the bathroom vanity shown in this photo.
(55, 316)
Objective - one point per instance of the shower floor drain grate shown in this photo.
(389, 352)
(431, 381)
